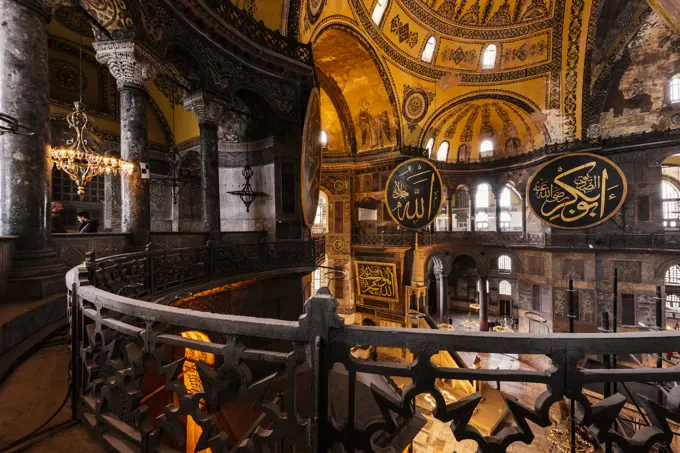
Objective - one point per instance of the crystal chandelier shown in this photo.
(76, 159)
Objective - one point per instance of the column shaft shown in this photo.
(449, 214)
(210, 179)
(135, 197)
(498, 211)
(25, 166)
(483, 306)
(471, 217)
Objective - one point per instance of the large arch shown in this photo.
(364, 83)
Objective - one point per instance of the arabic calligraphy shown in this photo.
(311, 159)
(414, 194)
(377, 280)
(577, 191)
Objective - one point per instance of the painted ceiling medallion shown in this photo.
(415, 106)
(339, 185)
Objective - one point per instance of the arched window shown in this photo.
(505, 198)
(504, 263)
(482, 197)
(429, 146)
(321, 219)
(464, 153)
(673, 276)
(671, 205)
(506, 220)
(462, 199)
(675, 88)
(428, 51)
(486, 149)
(672, 303)
(379, 11)
(482, 221)
(443, 152)
(489, 57)
(504, 288)
(323, 139)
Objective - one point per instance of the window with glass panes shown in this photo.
(671, 205)
(64, 189)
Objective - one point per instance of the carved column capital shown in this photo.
(207, 107)
(129, 62)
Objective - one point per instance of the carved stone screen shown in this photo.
(414, 194)
(577, 191)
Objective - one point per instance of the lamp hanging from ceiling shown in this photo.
(76, 159)
(247, 194)
(181, 172)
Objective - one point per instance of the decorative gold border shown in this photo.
(441, 198)
(596, 156)
(315, 94)
(394, 280)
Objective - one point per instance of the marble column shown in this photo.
(134, 68)
(449, 214)
(524, 218)
(471, 217)
(497, 194)
(441, 294)
(208, 109)
(483, 306)
(25, 167)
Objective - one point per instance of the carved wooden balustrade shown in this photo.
(143, 274)
(120, 344)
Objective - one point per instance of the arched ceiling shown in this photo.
(542, 52)
(349, 68)
(509, 128)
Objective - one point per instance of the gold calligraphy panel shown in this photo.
(377, 280)
(414, 194)
(311, 159)
(577, 191)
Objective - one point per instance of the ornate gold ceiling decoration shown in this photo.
(493, 14)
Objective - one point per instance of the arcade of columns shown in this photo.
(25, 166)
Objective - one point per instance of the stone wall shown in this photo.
(262, 215)
(639, 100)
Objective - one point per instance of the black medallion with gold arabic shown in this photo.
(414, 193)
(311, 159)
(577, 191)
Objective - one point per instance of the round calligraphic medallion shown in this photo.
(311, 159)
(577, 191)
(415, 106)
(414, 194)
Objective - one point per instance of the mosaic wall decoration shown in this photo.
(397, 27)
(311, 159)
(416, 104)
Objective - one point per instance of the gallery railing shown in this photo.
(143, 274)
(310, 393)
(667, 137)
(515, 238)
(259, 33)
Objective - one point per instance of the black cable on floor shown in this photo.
(36, 431)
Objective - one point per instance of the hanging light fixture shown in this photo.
(76, 159)
(180, 174)
(247, 194)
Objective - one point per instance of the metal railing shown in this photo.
(122, 345)
(143, 274)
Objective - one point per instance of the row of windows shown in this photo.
(488, 56)
(485, 150)
(504, 287)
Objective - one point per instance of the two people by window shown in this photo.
(87, 223)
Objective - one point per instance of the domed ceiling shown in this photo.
(465, 126)
(531, 89)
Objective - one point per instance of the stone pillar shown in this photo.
(133, 67)
(25, 166)
(497, 194)
(471, 217)
(441, 294)
(483, 306)
(449, 214)
(524, 217)
(208, 109)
